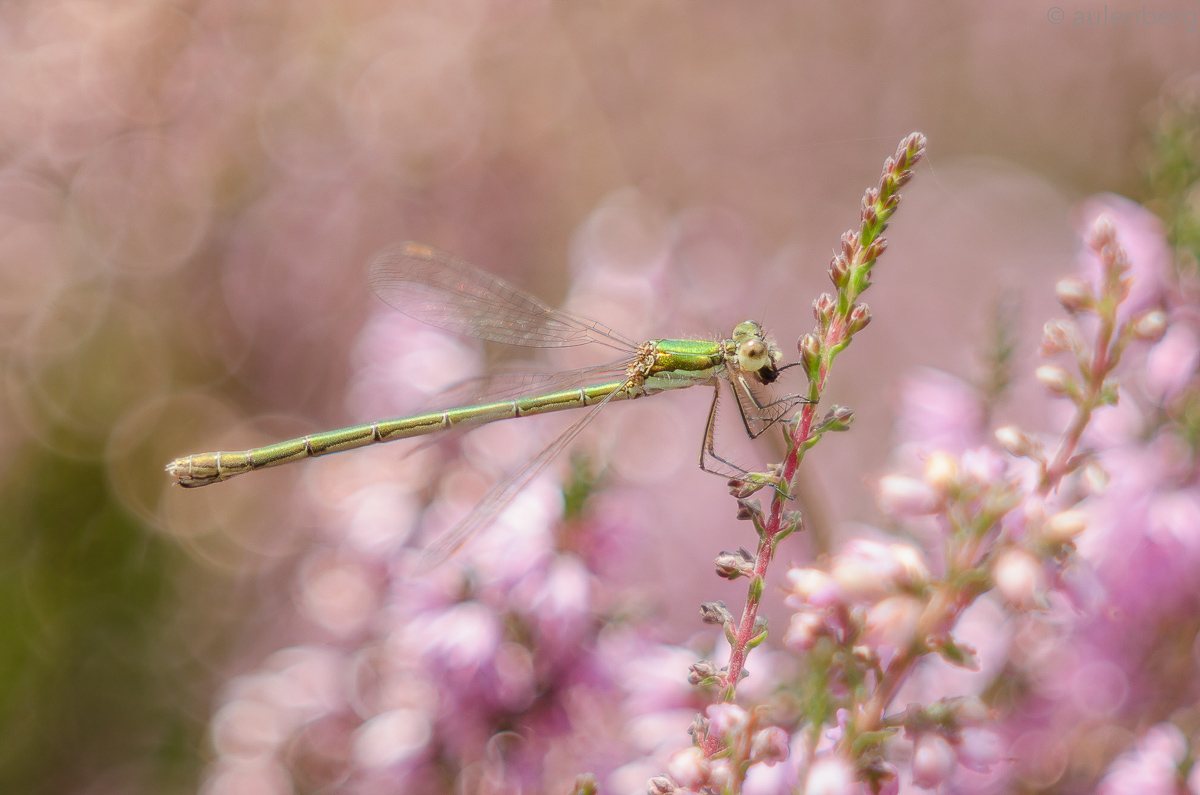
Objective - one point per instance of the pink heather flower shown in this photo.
(463, 636)
(725, 719)
(933, 760)
(1141, 234)
(831, 775)
(720, 777)
(1152, 768)
(1171, 363)
(938, 412)
(900, 495)
(892, 622)
(689, 767)
(391, 737)
(770, 746)
(1020, 578)
(803, 631)
(978, 749)
(865, 570)
(812, 587)
(984, 465)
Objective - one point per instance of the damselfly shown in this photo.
(446, 292)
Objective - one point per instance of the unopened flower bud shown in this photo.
(823, 310)
(732, 565)
(860, 316)
(1019, 578)
(689, 768)
(933, 760)
(941, 471)
(900, 495)
(809, 348)
(1014, 441)
(770, 746)
(839, 268)
(660, 785)
(1053, 378)
(699, 671)
(1074, 294)
(715, 613)
(1064, 526)
(1057, 336)
(1151, 326)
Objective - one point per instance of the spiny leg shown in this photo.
(708, 446)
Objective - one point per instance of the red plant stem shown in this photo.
(766, 549)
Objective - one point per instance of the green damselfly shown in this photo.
(446, 292)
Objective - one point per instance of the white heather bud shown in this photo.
(1074, 294)
(689, 767)
(1151, 326)
(1020, 578)
(1053, 378)
(941, 470)
(933, 760)
(1064, 526)
(904, 496)
(1014, 441)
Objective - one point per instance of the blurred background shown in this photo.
(190, 194)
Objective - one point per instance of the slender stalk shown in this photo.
(838, 319)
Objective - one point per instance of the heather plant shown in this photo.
(1023, 624)
(1069, 545)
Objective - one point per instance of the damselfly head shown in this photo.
(756, 352)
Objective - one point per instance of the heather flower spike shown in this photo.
(839, 316)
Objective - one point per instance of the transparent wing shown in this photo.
(444, 291)
(501, 495)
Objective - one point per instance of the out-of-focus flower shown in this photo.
(726, 719)
(812, 587)
(831, 775)
(770, 746)
(689, 768)
(1141, 234)
(938, 412)
(933, 760)
(1171, 363)
(892, 622)
(900, 495)
(866, 571)
(941, 470)
(1020, 578)
(1152, 768)
(803, 631)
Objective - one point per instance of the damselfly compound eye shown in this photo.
(753, 355)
